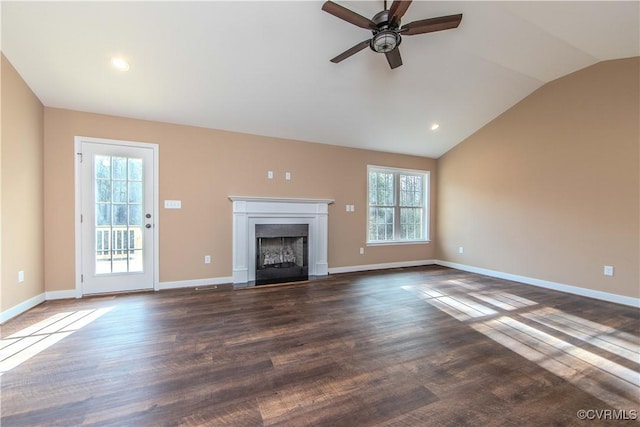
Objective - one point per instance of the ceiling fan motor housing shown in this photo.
(385, 39)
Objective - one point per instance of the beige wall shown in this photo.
(549, 190)
(22, 190)
(202, 167)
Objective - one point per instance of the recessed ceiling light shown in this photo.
(119, 64)
(435, 126)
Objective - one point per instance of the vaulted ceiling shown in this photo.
(262, 67)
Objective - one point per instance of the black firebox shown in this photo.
(282, 253)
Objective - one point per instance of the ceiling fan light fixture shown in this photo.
(385, 41)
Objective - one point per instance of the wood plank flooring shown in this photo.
(425, 346)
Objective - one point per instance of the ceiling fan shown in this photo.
(386, 29)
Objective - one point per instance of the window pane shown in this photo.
(411, 223)
(135, 238)
(135, 192)
(119, 214)
(388, 189)
(103, 167)
(136, 260)
(373, 193)
(119, 192)
(411, 190)
(381, 189)
(389, 232)
(103, 214)
(103, 190)
(119, 167)
(135, 215)
(135, 169)
(380, 224)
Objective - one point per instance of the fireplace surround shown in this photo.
(251, 211)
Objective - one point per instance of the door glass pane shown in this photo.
(135, 192)
(135, 215)
(119, 167)
(118, 214)
(135, 169)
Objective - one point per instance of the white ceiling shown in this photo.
(262, 67)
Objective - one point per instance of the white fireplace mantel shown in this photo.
(249, 211)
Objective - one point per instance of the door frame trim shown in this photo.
(78, 140)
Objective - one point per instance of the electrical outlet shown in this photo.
(207, 259)
(20, 276)
(270, 175)
(608, 270)
(361, 251)
(460, 250)
(287, 176)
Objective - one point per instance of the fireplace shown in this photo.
(248, 212)
(282, 253)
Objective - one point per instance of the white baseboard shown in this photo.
(604, 296)
(384, 266)
(21, 308)
(71, 293)
(194, 283)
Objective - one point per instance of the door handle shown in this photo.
(148, 215)
(148, 225)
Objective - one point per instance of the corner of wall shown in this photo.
(21, 193)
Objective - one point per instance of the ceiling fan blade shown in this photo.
(347, 53)
(397, 11)
(432, 24)
(348, 15)
(393, 58)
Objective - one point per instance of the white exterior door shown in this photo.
(117, 216)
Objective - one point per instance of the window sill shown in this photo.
(399, 242)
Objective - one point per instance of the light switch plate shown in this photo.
(608, 270)
(172, 204)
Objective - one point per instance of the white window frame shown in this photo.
(396, 226)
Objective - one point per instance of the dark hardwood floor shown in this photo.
(427, 346)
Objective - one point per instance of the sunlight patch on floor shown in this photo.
(503, 300)
(597, 375)
(609, 339)
(23, 345)
(576, 365)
